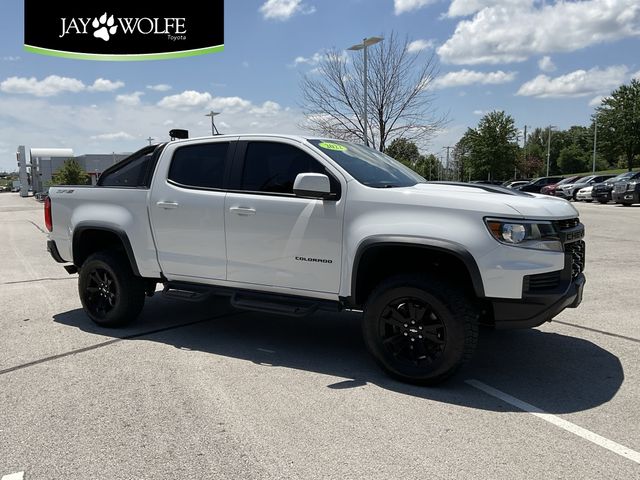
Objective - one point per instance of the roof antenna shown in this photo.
(214, 129)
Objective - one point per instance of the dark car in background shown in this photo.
(627, 191)
(602, 191)
(535, 185)
(569, 191)
(551, 189)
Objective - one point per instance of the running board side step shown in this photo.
(187, 291)
(280, 304)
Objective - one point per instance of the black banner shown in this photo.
(124, 30)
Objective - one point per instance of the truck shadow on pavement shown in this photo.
(554, 372)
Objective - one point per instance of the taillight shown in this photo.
(47, 214)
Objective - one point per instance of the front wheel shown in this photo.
(110, 293)
(418, 330)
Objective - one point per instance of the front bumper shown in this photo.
(626, 197)
(534, 310)
(601, 195)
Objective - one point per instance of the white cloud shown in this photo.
(313, 60)
(546, 64)
(463, 8)
(186, 100)
(596, 101)
(512, 31)
(478, 112)
(419, 45)
(48, 87)
(636, 75)
(50, 122)
(161, 87)
(11, 58)
(104, 85)
(403, 6)
(113, 136)
(229, 104)
(267, 109)
(284, 9)
(130, 99)
(470, 77)
(576, 84)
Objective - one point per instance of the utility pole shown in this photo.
(595, 140)
(549, 149)
(447, 167)
(150, 140)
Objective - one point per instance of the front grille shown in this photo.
(620, 187)
(577, 252)
(565, 224)
(542, 282)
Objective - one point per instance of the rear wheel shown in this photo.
(110, 293)
(418, 330)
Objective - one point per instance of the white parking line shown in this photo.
(14, 476)
(558, 422)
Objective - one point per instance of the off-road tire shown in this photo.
(442, 312)
(111, 295)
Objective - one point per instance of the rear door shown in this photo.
(187, 209)
(274, 237)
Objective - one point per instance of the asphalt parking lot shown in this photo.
(200, 391)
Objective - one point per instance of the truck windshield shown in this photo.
(368, 166)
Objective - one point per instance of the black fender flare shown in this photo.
(435, 244)
(121, 234)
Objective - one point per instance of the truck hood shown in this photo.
(492, 200)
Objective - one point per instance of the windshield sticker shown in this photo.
(332, 146)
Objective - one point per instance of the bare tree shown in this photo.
(400, 97)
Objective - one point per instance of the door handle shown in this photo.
(168, 205)
(245, 211)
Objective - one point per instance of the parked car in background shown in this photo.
(551, 189)
(627, 191)
(584, 194)
(535, 185)
(602, 191)
(517, 183)
(570, 190)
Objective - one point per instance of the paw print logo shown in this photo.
(104, 28)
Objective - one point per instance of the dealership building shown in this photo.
(37, 166)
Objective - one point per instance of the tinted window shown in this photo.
(273, 167)
(132, 173)
(368, 166)
(199, 165)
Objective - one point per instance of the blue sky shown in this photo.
(542, 62)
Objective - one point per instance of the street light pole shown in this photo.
(595, 140)
(366, 43)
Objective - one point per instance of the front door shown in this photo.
(275, 238)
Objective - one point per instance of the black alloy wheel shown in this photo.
(412, 332)
(101, 293)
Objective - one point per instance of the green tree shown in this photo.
(619, 123)
(404, 151)
(492, 146)
(572, 159)
(71, 173)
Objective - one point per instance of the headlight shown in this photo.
(632, 186)
(538, 235)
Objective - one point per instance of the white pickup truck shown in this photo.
(291, 225)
